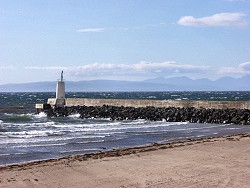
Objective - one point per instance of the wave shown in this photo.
(53, 144)
(39, 145)
(40, 115)
(31, 133)
(23, 140)
(54, 129)
(75, 116)
(78, 151)
(200, 128)
(67, 143)
(155, 132)
(24, 153)
(234, 128)
(9, 154)
(131, 126)
(16, 118)
(21, 118)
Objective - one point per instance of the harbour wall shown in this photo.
(155, 103)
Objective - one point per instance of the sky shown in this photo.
(123, 39)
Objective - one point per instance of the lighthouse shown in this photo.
(59, 101)
(60, 88)
(60, 92)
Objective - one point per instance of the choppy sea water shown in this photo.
(25, 136)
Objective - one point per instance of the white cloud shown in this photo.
(238, 1)
(91, 30)
(216, 20)
(139, 70)
(95, 30)
(9, 67)
(243, 68)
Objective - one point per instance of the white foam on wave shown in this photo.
(234, 128)
(38, 145)
(8, 114)
(201, 135)
(75, 115)
(41, 115)
(46, 124)
(135, 122)
(18, 115)
(8, 154)
(44, 140)
(199, 128)
(82, 126)
(133, 125)
(31, 133)
(35, 124)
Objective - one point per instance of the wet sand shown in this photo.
(212, 162)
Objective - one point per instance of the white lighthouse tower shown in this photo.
(60, 92)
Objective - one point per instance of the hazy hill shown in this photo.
(157, 84)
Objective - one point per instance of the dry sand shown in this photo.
(214, 162)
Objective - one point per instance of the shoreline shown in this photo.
(124, 151)
(211, 162)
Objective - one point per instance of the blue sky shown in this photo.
(123, 39)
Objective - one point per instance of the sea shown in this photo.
(26, 136)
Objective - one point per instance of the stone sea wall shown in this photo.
(156, 103)
(236, 112)
(169, 114)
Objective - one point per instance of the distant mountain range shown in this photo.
(157, 84)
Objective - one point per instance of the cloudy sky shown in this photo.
(123, 39)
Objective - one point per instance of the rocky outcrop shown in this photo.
(169, 114)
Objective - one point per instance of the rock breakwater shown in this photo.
(169, 114)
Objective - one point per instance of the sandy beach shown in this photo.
(212, 162)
